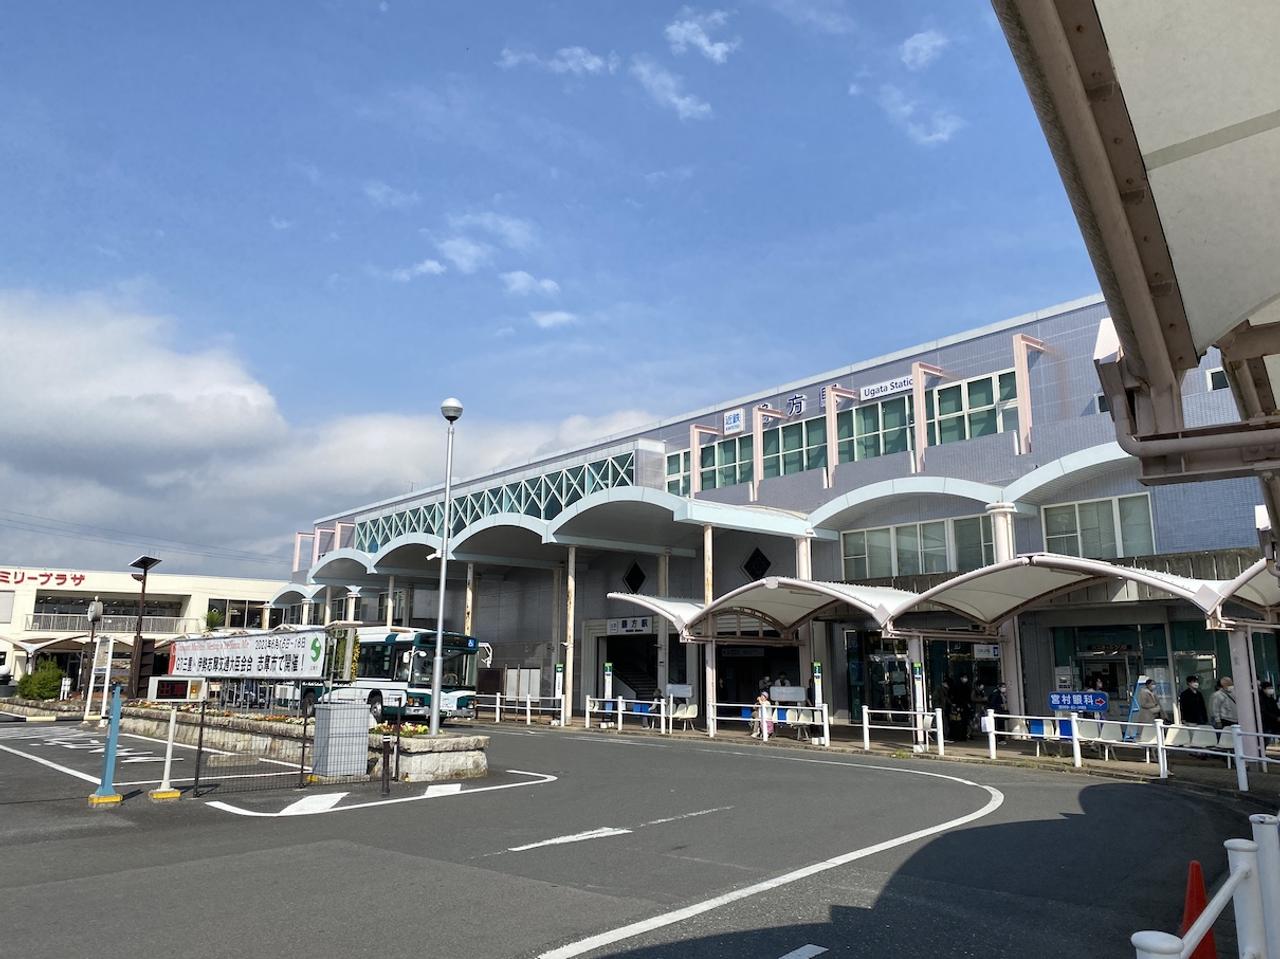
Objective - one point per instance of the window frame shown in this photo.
(1208, 380)
(952, 560)
(1121, 550)
(999, 406)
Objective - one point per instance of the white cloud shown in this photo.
(512, 232)
(921, 49)
(674, 175)
(937, 127)
(578, 61)
(425, 268)
(279, 223)
(186, 445)
(825, 16)
(854, 89)
(693, 29)
(667, 89)
(464, 253)
(388, 197)
(521, 283)
(548, 319)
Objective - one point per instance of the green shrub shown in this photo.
(213, 619)
(44, 683)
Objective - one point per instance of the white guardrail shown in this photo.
(614, 710)
(1152, 738)
(1252, 888)
(922, 725)
(777, 716)
(522, 707)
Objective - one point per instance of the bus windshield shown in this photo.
(458, 667)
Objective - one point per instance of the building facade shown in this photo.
(901, 470)
(44, 611)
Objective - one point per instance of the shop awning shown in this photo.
(680, 613)
(991, 595)
(1256, 586)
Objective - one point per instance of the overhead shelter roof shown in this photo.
(680, 613)
(1256, 586)
(994, 593)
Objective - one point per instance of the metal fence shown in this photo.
(332, 747)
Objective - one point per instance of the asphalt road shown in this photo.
(594, 845)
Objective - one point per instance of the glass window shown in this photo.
(879, 553)
(908, 549)
(1008, 386)
(975, 544)
(933, 547)
(1100, 529)
(1135, 525)
(976, 407)
(1097, 530)
(1218, 380)
(1060, 530)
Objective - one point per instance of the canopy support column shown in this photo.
(569, 597)
(804, 557)
(328, 605)
(467, 614)
(306, 612)
(1002, 530)
(1245, 682)
(662, 630)
(709, 653)
(391, 601)
(353, 596)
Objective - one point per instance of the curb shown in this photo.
(63, 718)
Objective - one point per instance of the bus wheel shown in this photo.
(375, 706)
(308, 704)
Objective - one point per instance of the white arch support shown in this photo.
(983, 493)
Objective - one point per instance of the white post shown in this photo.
(497, 707)
(1251, 935)
(620, 707)
(826, 725)
(1162, 757)
(587, 721)
(528, 710)
(391, 601)
(1075, 740)
(991, 733)
(93, 668)
(165, 785)
(1242, 771)
(764, 723)
(1266, 833)
(866, 728)
(1155, 945)
(570, 596)
(937, 731)
(106, 681)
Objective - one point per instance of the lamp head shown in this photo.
(451, 409)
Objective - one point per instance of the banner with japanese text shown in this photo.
(297, 655)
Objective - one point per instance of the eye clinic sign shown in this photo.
(886, 388)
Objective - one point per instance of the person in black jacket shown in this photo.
(1269, 707)
(1191, 704)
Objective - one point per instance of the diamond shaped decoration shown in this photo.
(757, 565)
(634, 578)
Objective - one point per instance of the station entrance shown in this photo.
(741, 670)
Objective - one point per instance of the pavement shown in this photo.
(591, 844)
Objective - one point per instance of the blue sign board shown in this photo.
(1091, 701)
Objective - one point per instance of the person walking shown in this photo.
(1222, 705)
(964, 704)
(998, 702)
(1191, 703)
(1149, 708)
(1269, 708)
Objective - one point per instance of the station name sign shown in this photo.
(886, 388)
(263, 656)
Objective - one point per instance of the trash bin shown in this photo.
(341, 747)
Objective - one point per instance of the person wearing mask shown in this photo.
(1191, 703)
(1149, 709)
(998, 702)
(1269, 708)
(1222, 705)
(942, 699)
(964, 704)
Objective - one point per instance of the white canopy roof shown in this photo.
(1257, 586)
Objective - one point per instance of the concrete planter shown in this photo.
(433, 759)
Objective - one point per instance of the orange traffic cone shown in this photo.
(1193, 905)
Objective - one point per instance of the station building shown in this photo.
(44, 611)
(902, 471)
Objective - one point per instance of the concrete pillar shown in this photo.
(1245, 686)
(306, 612)
(468, 610)
(328, 605)
(391, 601)
(1002, 530)
(661, 624)
(709, 649)
(804, 557)
(569, 596)
(353, 597)
(557, 633)
(1011, 667)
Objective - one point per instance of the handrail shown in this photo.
(919, 728)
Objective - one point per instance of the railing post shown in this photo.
(866, 729)
(1251, 936)
(1075, 740)
(528, 710)
(662, 717)
(497, 707)
(1242, 770)
(991, 733)
(1154, 945)
(619, 714)
(937, 732)
(587, 721)
(564, 712)
(826, 726)
(1266, 834)
(764, 723)
(711, 718)
(1162, 756)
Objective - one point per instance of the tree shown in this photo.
(45, 682)
(213, 619)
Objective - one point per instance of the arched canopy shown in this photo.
(409, 552)
(506, 539)
(680, 613)
(295, 593)
(836, 513)
(992, 594)
(346, 564)
(1045, 482)
(1257, 586)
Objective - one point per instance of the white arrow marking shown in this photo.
(600, 833)
(313, 804)
(805, 952)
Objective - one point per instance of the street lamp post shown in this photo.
(451, 410)
(139, 653)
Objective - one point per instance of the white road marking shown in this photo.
(583, 946)
(52, 765)
(600, 833)
(176, 744)
(312, 804)
(538, 780)
(805, 952)
(688, 815)
(442, 789)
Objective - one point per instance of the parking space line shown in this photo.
(52, 765)
(600, 940)
(601, 833)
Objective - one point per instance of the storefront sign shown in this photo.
(16, 577)
(297, 655)
(733, 421)
(1091, 701)
(986, 651)
(632, 624)
(163, 689)
(886, 388)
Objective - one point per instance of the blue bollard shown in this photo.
(106, 794)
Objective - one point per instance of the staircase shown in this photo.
(644, 684)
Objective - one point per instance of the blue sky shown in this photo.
(573, 215)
